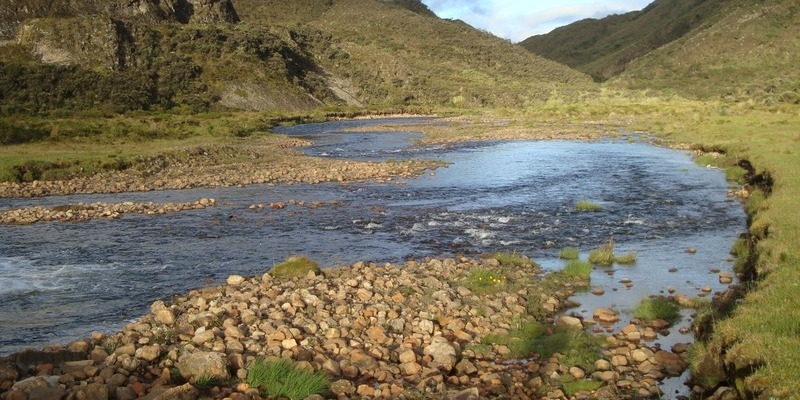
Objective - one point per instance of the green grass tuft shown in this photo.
(572, 386)
(294, 267)
(626, 259)
(656, 308)
(578, 269)
(569, 253)
(604, 255)
(282, 379)
(512, 259)
(588, 206)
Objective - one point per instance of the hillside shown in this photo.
(750, 53)
(603, 47)
(257, 55)
(707, 49)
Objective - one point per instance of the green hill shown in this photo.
(603, 47)
(259, 55)
(706, 49)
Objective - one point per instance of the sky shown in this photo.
(519, 19)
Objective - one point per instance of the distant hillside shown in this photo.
(198, 55)
(750, 52)
(602, 48)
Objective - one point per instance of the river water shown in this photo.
(61, 281)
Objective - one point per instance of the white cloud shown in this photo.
(519, 19)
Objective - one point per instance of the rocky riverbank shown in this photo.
(86, 212)
(447, 329)
(260, 161)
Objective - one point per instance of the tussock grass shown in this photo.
(604, 255)
(627, 258)
(588, 206)
(569, 253)
(577, 347)
(656, 308)
(512, 259)
(282, 379)
(294, 267)
(577, 269)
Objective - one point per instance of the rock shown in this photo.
(407, 356)
(235, 280)
(598, 291)
(602, 365)
(569, 321)
(92, 391)
(149, 353)
(465, 367)
(125, 393)
(466, 394)
(28, 360)
(410, 368)
(204, 364)
(342, 388)
(605, 315)
(443, 353)
(363, 361)
(725, 278)
(183, 392)
(47, 393)
(577, 373)
(203, 337)
(639, 355)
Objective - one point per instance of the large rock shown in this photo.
(443, 353)
(204, 364)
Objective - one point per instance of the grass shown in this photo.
(652, 309)
(484, 281)
(282, 379)
(569, 253)
(626, 259)
(588, 206)
(294, 267)
(604, 255)
(577, 347)
(512, 259)
(205, 383)
(573, 386)
(577, 269)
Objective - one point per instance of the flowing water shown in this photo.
(61, 281)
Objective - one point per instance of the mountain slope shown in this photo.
(255, 55)
(751, 52)
(603, 48)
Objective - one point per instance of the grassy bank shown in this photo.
(756, 347)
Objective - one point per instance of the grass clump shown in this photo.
(626, 259)
(282, 379)
(485, 281)
(604, 255)
(573, 386)
(578, 269)
(207, 382)
(569, 253)
(588, 206)
(656, 308)
(512, 259)
(576, 346)
(294, 267)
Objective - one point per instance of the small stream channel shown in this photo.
(61, 281)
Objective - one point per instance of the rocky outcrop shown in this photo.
(86, 212)
(14, 13)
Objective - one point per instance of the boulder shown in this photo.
(204, 364)
(443, 353)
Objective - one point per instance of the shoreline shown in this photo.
(375, 330)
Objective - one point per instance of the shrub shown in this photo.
(656, 308)
(603, 255)
(294, 267)
(577, 268)
(588, 206)
(569, 253)
(282, 379)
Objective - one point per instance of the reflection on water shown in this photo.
(60, 281)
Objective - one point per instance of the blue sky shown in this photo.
(519, 19)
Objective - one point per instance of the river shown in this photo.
(61, 281)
